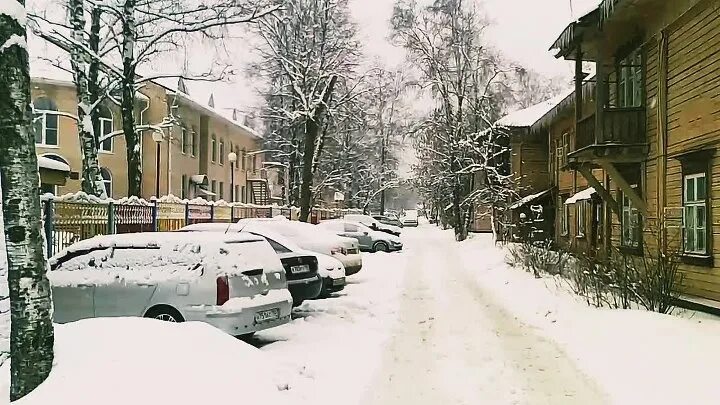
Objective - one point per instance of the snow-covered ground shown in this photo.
(440, 322)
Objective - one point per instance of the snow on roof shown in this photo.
(52, 164)
(581, 196)
(115, 361)
(528, 199)
(529, 116)
(145, 239)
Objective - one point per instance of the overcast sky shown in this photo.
(522, 30)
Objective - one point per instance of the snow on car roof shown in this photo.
(147, 239)
(249, 229)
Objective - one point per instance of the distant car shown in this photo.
(315, 239)
(373, 223)
(386, 220)
(410, 218)
(235, 283)
(330, 270)
(371, 241)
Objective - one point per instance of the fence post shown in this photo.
(49, 225)
(111, 218)
(155, 217)
(187, 213)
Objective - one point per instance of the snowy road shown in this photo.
(452, 344)
(415, 328)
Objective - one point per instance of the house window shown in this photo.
(564, 216)
(630, 223)
(106, 127)
(222, 152)
(237, 194)
(193, 142)
(183, 186)
(213, 149)
(630, 81)
(580, 213)
(213, 189)
(45, 122)
(695, 216)
(183, 140)
(107, 181)
(221, 190)
(563, 149)
(242, 159)
(237, 154)
(48, 189)
(254, 163)
(242, 195)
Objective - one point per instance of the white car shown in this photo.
(410, 218)
(315, 239)
(330, 270)
(235, 283)
(369, 240)
(373, 224)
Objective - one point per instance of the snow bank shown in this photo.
(636, 356)
(121, 361)
(335, 346)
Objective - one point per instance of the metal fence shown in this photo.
(67, 221)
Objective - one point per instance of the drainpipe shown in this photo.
(169, 161)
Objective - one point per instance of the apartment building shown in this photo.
(647, 147)
(195, 151)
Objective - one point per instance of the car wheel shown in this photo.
(381, 247)
(165, 313)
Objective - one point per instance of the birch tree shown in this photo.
(308, 49)
(31, 329)
(443, 41)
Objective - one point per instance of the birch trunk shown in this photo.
(31, 329)
(92, 182)
(127, 103)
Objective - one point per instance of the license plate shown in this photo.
(303, 268)
(339, 281)
(267, 315)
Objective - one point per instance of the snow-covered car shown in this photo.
(370, 241)
(373, 224)
(410, 218)
(330, 270)
(235, 283)
(386, 220)
(315, 239)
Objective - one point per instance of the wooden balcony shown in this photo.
(622, 138)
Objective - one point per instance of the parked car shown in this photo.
(387, 220)
(315, 239)
(235, 283)
(330, 270)
(371, 241)
(373, 224)
(410, 218)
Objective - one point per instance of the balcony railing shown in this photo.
(621, 126)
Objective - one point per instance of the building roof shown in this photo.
(527, 117)
(589, 19)
(528, 199)
(567, 102)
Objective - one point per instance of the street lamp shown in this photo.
(157, 136)
(232, 158)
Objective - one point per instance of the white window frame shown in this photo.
(213, 149)
(221, 152)
(103, 121)
(193, 142)
(694, 205)
(42, 115)
(108, 183)
(629, 222)
(580, 213)
(630, 74)
(183, 140)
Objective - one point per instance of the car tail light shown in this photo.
(223, 290)
(338, 250)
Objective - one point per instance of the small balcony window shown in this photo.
(630, 80)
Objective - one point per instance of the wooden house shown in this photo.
(653, 130)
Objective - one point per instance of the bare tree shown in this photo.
(31, 329)
(309, 49)
(443, 41)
